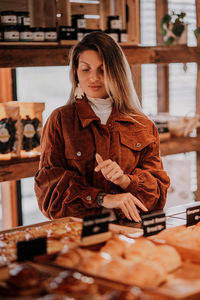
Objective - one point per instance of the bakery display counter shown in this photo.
(158, 267)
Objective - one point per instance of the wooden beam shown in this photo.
(37, 13)
(54, 54)
(63, 7)
(161, 9)
(198, 103)
(136, 76)
(120, 10)
(16, 169)
(50, 13)
(179, 145)
(105, 11)
(163, 88)
(134, 21)
(5, 85)
(162, 70)
(9, 204)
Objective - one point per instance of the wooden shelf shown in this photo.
(16, 169)
(55, 54)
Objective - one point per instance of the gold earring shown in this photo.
(78, 93)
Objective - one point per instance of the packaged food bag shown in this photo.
(9, 130)
(31, 126)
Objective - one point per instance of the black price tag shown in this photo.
(95, 224)
(30, 248)
(192, 215)
(153, 223)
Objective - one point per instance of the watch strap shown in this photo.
(100, 197)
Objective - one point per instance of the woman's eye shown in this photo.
(85, 70)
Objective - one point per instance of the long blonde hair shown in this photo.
(117, 73)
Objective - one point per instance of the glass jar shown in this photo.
(25, 34)
(8, 18)
(114, 33)
(123, 36)
(114, 22)
(78, 21)
(11, 34)
(38, 34)
(23, 18)
(1, 34)
(50, 34)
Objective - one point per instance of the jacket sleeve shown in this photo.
(149, 182)
(61, 191)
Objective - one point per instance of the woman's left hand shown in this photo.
(112, 171)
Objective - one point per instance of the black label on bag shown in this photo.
(192, 215)
(95, 224)
(153, 223)
(30, 248)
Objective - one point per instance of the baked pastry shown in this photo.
(116, 269)
(115, 246)
(148, 274)
(93, 263)
(71, 258)
(168, 257)
(142, 248)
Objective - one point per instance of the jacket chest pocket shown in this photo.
(79, 155)
(131, 146)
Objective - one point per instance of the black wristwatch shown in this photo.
(99, 198)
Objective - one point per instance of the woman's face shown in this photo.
(90, 74)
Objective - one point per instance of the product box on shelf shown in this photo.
(20, 129)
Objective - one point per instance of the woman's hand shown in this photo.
(112, 172)
(127, 203)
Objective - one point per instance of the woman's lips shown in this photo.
(95, 87)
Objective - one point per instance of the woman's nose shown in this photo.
(94, 76)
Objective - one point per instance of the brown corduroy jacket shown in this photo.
(66, 183)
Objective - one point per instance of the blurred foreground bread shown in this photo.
(23, 280)
(168, 257)
(148, 274)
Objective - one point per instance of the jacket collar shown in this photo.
(85, 112)
(87, 115)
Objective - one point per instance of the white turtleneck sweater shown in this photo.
(101, 107)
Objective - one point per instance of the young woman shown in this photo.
(100, 151)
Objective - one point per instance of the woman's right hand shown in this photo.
(127, 203)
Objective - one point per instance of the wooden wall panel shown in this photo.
(16, 5)
(79, 8)
(63, 7)
(42, 13)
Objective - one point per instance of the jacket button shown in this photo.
(88, 198)
(138, 145)
(78, 153)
